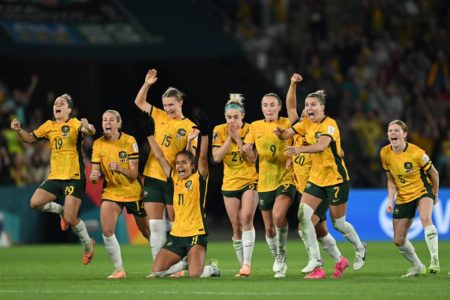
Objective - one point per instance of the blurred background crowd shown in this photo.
(377, 61)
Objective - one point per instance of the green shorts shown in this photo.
(135, 208)
(156, 190)
(181, 245)
(238, 194)
(408, 210)
(62, 188)
(330, 195)
(267, 199)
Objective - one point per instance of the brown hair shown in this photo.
(175, 93)
(280, 103)
(399, 123)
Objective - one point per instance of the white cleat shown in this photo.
(311, 266)
(416, 271)
(360, 257)
(280, 262)
(434, 267)
(282, 273)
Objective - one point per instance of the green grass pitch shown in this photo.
(56, 272)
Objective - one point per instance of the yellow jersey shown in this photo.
(270, 148)
(408, 168)
(66, 159)
(237, 172)
(302, 164)
(327, 167)
(118, 186)
(189, 200)
(171, 135)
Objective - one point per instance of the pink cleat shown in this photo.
(87, 256)
(118, 274)
(317, 273)
(340, 267)
(63, 224)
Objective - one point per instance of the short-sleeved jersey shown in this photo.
(302, 164)
(270, 148)
(118, 187)
(171, 135)
(327, 167)
(237, 172)
(408, 168)
(189, 200)
(66, 160)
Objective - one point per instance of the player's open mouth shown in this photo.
(57, 111)
(394, 139)
(181, 172)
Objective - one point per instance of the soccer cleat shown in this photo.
(151, 275)
(416, 271)
(280, 262)
(434, 267)
(245, 271)
(63, 224)
(282, 273)
(340, 267)
(311, 266)
(215, 264)
(118, 274)
(88, 256)
(178, 274)
(360, 257)
(317, 273)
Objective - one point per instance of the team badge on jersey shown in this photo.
(317, 135)
(188, 185)
(181, 133)
(408, 167)
(65, 130)
(123, 156)
(331, 130)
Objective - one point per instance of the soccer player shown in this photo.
(189, 236)
(328, 180)
(116, 156)
(302, 166)
(171, 132)
(275, 184)
(66, 178)
(413, 182)
(239, 180)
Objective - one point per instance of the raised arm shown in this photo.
(24, 136)
(87, 128)
(203, 124)
(392, 190)
(434, 176)
(141, 97)
(291, 98)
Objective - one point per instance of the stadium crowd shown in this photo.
(377, 60)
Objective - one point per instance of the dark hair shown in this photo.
(188, 154)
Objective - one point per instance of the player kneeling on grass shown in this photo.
(188, 236)
(116, 155)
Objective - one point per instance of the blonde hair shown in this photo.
(399, 123)
(68, 99)
(236, 101)
(319, 94)
(117, 115)
(175, 93)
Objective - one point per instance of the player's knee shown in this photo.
(35, 205)
(399, 241)
(247, 220)
(426, 220)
